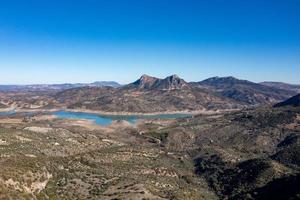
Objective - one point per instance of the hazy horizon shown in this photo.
(53, 42)
(24, 84)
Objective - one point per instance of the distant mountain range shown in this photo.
(245, 91)
(284, 86)
(151, 94)
(147, 94)
(65, 86)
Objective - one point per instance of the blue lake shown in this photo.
(7, 113)
(105, 120)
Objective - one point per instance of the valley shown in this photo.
(201, 144)
(149, 100)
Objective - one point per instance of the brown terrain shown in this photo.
(150, 94)
(249, 152)
(284, 86)
(153, 95)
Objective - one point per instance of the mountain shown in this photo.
(151, 83)
(65, 86)
(284, 86)
(220, 82)
(145, 82)
(245, 91)
(150, 94)
(104, 84)
(172, 83)
(293, 101)
(147, 94)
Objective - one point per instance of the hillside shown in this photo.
(2, 105)
(253, 154)
(245, 91)
(113, 84)
(293, 101)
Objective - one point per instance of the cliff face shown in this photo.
(151, 83)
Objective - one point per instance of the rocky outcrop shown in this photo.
(151, 83)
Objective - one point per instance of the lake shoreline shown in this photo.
(196, 112)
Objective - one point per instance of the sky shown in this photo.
(60, 41)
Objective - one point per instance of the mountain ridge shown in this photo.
(244, 91)
(293, 101)
(170, 94)
(282, 85)
(62, 86)
(146, 95)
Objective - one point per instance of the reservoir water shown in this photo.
(103, 120)
(7, 113)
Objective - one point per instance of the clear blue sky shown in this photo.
(56, 41)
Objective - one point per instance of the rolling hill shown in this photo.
(250, 154)
(293, 101)
(284, 86)
(245, 91)
(64, 86)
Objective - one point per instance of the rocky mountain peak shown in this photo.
(150, 83)
(145, 82)
(145, 78)
(174, 76)
(173, 82)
